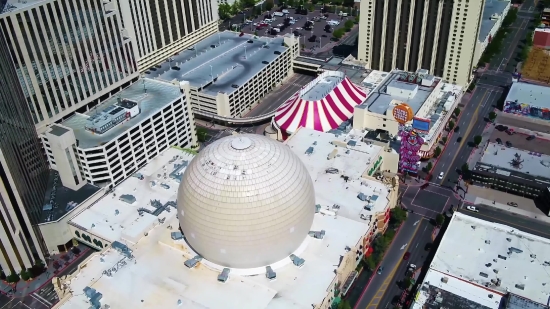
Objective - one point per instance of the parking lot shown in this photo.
(520, 141)
(322, 37)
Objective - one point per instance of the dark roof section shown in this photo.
(517, 302)
(58, 131)
(438, 298)
(64, 199)
(515, 176)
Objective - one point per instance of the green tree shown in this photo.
(451, 125)
(2, 275)
(492, 116)
(338, 33)
(398, 215)
(370, 263)
(407, 283)
(456, 112)
(224, 11)
(477, 140)
(437, 151)
(13, 278)
(357, 19)
(269, 5)
(344, 304)
(202, 134)
(444, 139)
(349, 23)
(25, 275)
(439, 219)
(429, 166)
(465, 167)
(236, 7)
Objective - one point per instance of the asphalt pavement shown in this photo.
(428, 202)
(405, 240)
(528, 225)
(472, 122)
(278, 96)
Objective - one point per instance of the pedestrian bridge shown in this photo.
(231, 120)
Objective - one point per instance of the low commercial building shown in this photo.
(228, 73)
(529, 101)
(494, 13)
(137, 225)
(110, 142)
(512, 170)
(541, 38)
(481, 264)
(430, 98)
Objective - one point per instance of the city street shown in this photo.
(428, 202)
(412, 237)
(472, 122)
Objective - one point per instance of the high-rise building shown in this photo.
(69, 54)
(159, 29)
(436, 35)
(23, 174)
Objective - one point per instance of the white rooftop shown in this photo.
(461, 294)
(102, 218)
(528, 162)
(479, 251)
(530, 94)
(351, 161)
(319, 88)
(158, 278)
(14, 5)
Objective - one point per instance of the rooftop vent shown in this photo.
(191, 263)
(224, 275)
(515, 250)
(445, 279)
(332, 170)
(176, 235)
(317, 208)
(317, 234)
(309, 150)
(297, 261)
(488, 242)
(270, 274)
(482, 274)
(520, 286)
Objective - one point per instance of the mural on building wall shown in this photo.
(411, 142)
(527, 110)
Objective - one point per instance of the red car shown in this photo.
(406, 256)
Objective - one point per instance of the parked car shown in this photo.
(499, 141)
(501, 127)
(472, 208)
(380, 270)
(457, 128)
(312, 38)
(459, 139)
(531, 137)
(508, 144)
(513, 204)
(406, 256)
(441, 175)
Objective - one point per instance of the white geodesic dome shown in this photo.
(246, 201)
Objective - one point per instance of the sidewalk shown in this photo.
(62, 261)
(478, 152)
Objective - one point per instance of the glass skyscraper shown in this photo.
(23, 174)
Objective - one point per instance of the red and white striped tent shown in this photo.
(323, 115)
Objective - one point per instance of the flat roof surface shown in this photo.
(332, 189)
(233, 61)
(434, 293)
(531, 94)
(103, 220)
(158, 278)
(320, 88)
(64, 199)
(379, 101)
(487, 24)
(159, 94)
(479, 251)
(527, 162)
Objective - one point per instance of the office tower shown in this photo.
(437, 35)
(23, 174)
(160, 29)
(69, 54)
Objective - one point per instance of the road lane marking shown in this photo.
(11, 300)
(41, 299)
(389, 279)
(470, 126)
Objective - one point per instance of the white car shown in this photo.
(472, 208)
(299, 28)
(280, 25)
(440, 175)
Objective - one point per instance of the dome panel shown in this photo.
(246, 201)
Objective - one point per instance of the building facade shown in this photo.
(438, 36)
(23, 175)
(111, 143)
(67, 54)
(159, 29)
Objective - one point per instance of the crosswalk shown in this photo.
(46, 296)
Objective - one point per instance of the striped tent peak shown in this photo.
(324, 114)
